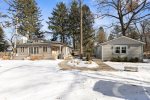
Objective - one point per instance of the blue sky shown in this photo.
(47, 6)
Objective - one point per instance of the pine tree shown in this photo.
(88, 32)
(74, 25)
(58, 22)
(3, 42)
(26, 15)
(1, 35)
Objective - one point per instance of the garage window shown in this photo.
(124, 49)
(120, 49)
(117, 49)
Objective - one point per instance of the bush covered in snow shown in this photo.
(124, 59)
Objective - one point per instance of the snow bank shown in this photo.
(79, 63)
(146, 60)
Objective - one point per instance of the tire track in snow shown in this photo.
(145, 90)
(116, 91)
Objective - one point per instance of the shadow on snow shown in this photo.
(125, 91)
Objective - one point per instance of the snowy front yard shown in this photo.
(42, 80)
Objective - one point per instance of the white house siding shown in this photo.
(132, 52)
(135, 51)
(98, 52)
(107, 52)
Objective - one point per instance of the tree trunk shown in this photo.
(63, 39)
(74, 45)
(123, 32)
(146, 44)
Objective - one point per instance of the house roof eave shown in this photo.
(122, 37)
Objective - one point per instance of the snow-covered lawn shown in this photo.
(121, 65)
(42, 80)
(79, 63)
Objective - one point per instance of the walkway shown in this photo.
(103, 66)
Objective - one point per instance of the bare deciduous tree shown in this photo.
(125, 12)
(143, 28)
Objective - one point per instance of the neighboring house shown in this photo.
(122, 47)
(39, 47)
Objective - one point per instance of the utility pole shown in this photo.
(81, 31)
(16, 33)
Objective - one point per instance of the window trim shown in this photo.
(118, 49)
(114, 50)
(125, 49)
(34, 50)
(45, 49)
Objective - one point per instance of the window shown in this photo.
(124, 50)
(36, 40)
(22, 49)
(44, 49)
(120, 49)
(34, 50)
(31, 50)
(117, 50)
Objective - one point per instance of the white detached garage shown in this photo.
(122, 47)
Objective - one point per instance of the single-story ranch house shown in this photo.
(120, 47)
(42, 48)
